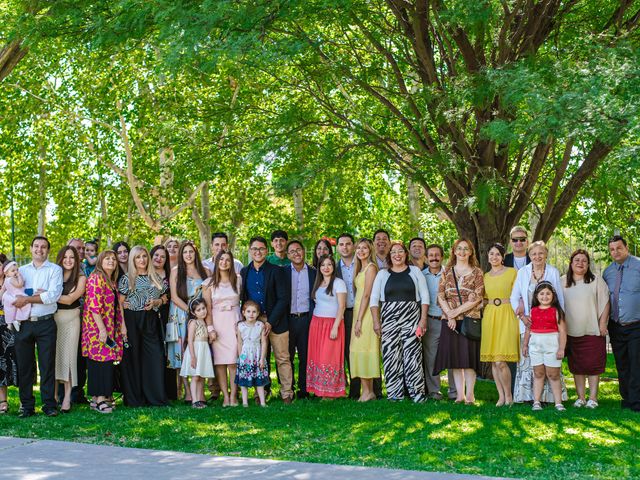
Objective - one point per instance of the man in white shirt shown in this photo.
(220, 242)
(43, 287)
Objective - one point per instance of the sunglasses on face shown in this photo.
(519, 239)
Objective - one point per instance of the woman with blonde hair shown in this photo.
(527, 280)
(141, 291)
(364, 349)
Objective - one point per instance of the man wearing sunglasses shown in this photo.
(519, 244)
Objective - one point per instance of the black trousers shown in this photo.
(41, 334)
(299, 340)
(100, 382)
(142, 367)
(77, 392)
(625, 343)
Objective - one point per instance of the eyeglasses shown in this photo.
(294, 251)
(397, 252)
(258, 249)
(519, 239)
(462, 249)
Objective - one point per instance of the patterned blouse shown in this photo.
(102, 300)
(471, 288)
(145, 291)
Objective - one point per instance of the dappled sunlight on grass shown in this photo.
(436, 436)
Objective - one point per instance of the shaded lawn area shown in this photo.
(436, 436)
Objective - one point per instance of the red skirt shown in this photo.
(587, 355)
(325, 359)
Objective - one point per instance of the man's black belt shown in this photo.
(299, 315)
(41, 318)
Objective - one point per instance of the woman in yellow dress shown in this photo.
(500, 341)
(364, 350)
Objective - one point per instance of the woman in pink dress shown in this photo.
(222, 294)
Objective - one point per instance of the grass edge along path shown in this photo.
(436, 436)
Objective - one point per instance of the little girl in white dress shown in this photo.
(197, 361)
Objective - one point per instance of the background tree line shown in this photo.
(130, 119)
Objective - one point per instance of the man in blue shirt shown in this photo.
(266, 284)
(623, 279)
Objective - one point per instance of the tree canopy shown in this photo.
(133, 118)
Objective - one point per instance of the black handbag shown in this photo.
(471, 327)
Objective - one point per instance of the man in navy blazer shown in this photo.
(266, 284)
(300, 280)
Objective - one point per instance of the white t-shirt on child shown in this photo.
(327, 305)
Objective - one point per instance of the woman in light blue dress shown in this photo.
(186, 282)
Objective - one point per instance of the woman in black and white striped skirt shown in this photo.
(399, 304)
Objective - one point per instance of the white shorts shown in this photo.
(543, 348)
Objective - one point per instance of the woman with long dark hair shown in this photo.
(586, 302)
(321, 248)
(186, 282)
(325, 358)
(222, 294)
(67, 319)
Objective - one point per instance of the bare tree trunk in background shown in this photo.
(202, 220)
(298, 207)
(413, 192)
(42, 188)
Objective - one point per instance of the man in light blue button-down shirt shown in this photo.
(43, 285)
(623, 279)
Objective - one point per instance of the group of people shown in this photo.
(153, 324)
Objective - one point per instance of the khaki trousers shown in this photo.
(280, 346)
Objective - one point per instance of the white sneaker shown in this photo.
(560, 407)
(536, 407)
(592, 404)
(579, 403)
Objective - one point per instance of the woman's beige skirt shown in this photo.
(68, 323)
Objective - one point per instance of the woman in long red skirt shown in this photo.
(325, 364)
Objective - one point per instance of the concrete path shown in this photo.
(25, 459)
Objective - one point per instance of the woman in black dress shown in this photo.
(142, 369)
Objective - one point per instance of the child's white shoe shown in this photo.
(592, 404)
(579, 403)
(537, 406)
(560, 407)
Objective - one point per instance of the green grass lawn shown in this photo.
(436, 436)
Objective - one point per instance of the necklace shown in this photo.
(535, 277)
